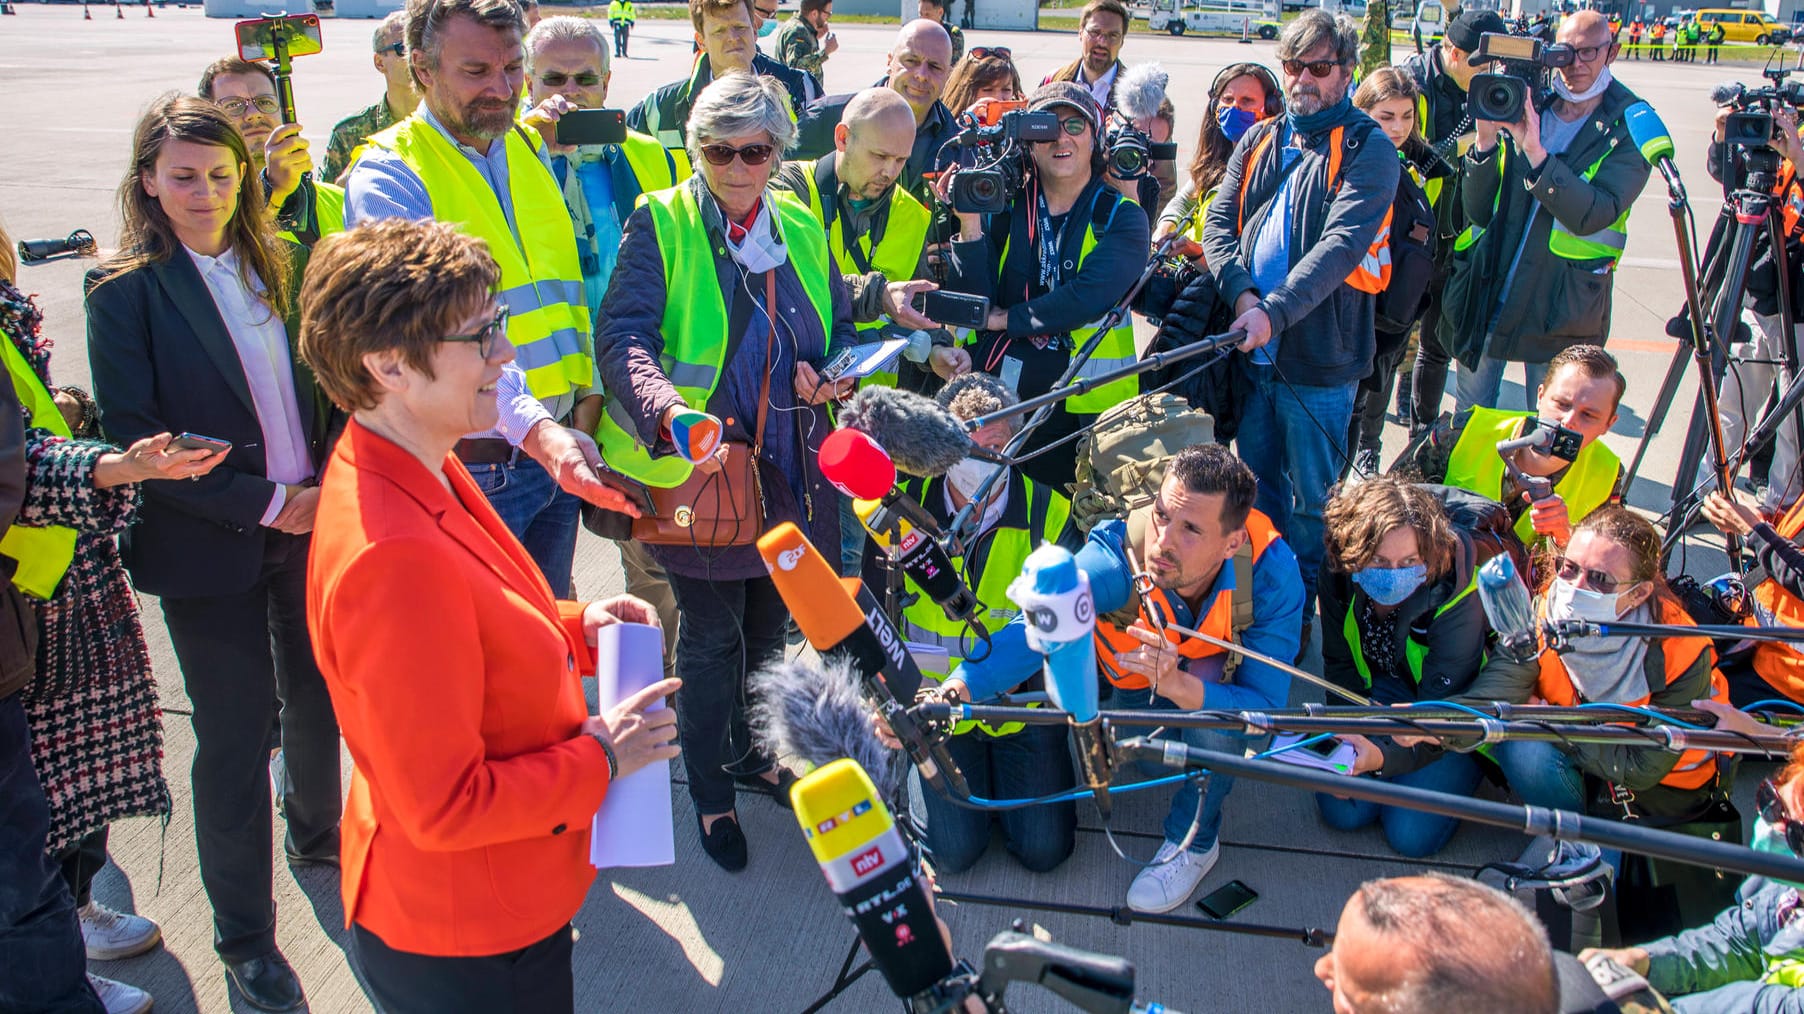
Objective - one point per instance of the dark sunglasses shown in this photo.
(1598, 580)
(558, 79)
(398, 48)
(986, 52)
(1772, 810)
(484, 339)
(1316, 68)
(751, 154)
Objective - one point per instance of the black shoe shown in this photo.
(725, 844)
(1366, 462)
(778, 792)
(267, 983)
(324, 853)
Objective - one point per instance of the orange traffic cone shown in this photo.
(120, 10)
(150, 9)
(86, 15)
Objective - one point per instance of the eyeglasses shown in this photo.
(1772, 810)
(766, 14)
(1316, 68)
(484, 339)
(1074, 125)
(989, 52)
(1586, 54)
(1101, 36)
(1599, 580)
(751, 154)
(397, 48)
(265, 104)
(556, 79)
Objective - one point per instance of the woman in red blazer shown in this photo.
(453, 669)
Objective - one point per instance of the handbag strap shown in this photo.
(770, 347)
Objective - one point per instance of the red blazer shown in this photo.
(455, 675)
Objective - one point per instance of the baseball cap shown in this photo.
(1466, 29)
(1066, 93)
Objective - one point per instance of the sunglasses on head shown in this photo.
(1316, 68)
(484, 338)
(1772, 809)
(986, 52)
(1598, 580)
(397, 48)
(751, 154)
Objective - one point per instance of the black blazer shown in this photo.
(163, 361)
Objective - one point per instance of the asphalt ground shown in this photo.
(690, 937)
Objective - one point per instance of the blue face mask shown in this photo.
(1234, 121)
(1768, 838)
(1388, 586)
(767, 28)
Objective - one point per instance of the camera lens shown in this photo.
(983, 188)
(1127, 162)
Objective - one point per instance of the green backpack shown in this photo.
(1121, 461)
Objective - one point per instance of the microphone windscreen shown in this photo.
(856, 465)
(817, 712)
(1727, 92)
(921, 437)
(1141, 90)
(823, 609)
(1648, 133)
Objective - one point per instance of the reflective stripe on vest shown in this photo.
(1217, 621)
(1471, 233)
(1414, 651)
(1785, 970)
(1607, 242)
(1373, 273)
(43, 554)
(1475, 465)
(541, 276)
(1779, 662)
(694, 325)
(1696, 768)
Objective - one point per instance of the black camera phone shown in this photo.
(592, 126)
(1227, 899)
(953, 309)
(1566, 443)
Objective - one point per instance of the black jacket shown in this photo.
(18, 624)
(163, 361)
(664, 114)
(814, 138)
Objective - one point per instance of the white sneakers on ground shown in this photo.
(119, 998)
(1172, 879)
(111, 935)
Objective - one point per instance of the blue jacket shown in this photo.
(1717, 969)
(1277, 627)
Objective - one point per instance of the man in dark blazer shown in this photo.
(232, 581)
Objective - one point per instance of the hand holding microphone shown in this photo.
(695, 434)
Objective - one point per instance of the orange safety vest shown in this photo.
(1696, 768)
(1790, 194)
(1373, 274)
(1217, 621)
(1779, 662)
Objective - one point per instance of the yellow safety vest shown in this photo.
(694, 325)
(619, 11)
(43, 554)
(541, 277)
(895, 255)
(1414, 651)
(1606, 243)
(328, 210)
(1475, 465)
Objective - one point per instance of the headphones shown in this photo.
(1274, 92)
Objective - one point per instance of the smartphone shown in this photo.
(592, 126)
(1322, 747)
(954, 309)
(1566, 443)
(272, 38)
(196, 442)
(1228, 899)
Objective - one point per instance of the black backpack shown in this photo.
(1402, 302)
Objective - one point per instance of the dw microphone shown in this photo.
(1054, 595)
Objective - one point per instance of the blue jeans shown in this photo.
(1031, 763)
(1484, 386)
(43, 964)
(1410, 832)
(1542, 774)
(542, 516)
(1183, 804)
(1294, 438)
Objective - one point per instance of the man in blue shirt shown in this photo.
(1199, 541)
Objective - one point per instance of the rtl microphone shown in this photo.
(80, 242)
(1508, 608)
(1054, 595)
(873, 873)
(838, 616)
(922, 559)
(858, 466)
(1655, 141)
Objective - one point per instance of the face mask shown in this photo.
(761, 250)
(1597, 87)
(969, 474)
(1388, 586)
(1768, 838)
(1567, 601)
(769, 27)
(1234, 121)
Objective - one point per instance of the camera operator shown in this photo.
(246, 92)
(1054, 262)
(1533, 272)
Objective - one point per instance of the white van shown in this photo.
(1430, 21)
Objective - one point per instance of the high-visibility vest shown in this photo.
(1373, 273)
(1116, 349)
(896, 254)
(1219, 620)
(621, 10)
(924, 622)
(541, 276)
(1696, 768)
(1414, 650)
(1606, 243)
(43, 554)
(328, 210)
(694, 325)
(653, 165)
(1475, 465)
(1779, 662)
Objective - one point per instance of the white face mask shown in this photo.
(969, 474)
(1564, 91)
(761, 250)
(1567, 601)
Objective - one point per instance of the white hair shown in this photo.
(564, 28)
(737, 104)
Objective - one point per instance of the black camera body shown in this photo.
(1131, 152)
(991, 159)
(1751, 123)
(986, 191)
(1523, 62)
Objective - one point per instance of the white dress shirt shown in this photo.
(1099, 88)
(261, 340)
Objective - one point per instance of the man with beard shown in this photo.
(1101, 29)
(460, 158)
(246, 92)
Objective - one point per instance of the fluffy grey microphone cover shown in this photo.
(816, 711)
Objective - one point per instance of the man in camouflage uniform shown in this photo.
(396, 104)
(1375, 40)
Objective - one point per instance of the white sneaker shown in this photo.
(1170, 882)
(119, 998)
(113, 935)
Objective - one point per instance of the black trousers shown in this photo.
(739, 632)
(532, 980)
(246, 658)
(1428, 381)
(81, 862)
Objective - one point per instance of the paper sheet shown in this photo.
(634, 825)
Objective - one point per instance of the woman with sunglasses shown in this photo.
(1751, 956)
(1242, 95)
(1610, 571)
(1052, 263)
(726, 300)
(986, 72)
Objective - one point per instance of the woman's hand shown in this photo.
(639, 737)
(1729, 718)
(810, 390)
(949, 361)
(1730, 516)
(153, 458)
(619, 609)
(898, 303)
(1367, 757)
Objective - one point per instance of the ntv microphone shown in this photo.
(1054, 595)
(840, 617)
(874, 875)
(1508, 609)
(1655, 141)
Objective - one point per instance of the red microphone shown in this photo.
(856, 465)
